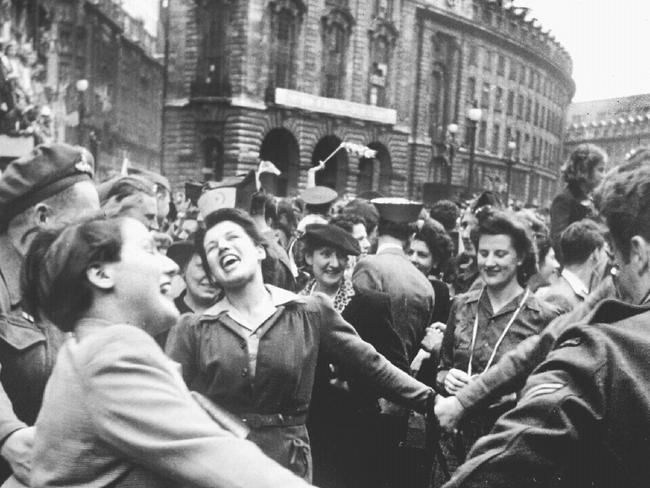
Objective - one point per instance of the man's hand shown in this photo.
(17, 450)
(433, 337)
(449, 411)
(455, 380)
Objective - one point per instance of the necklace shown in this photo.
(501, 337)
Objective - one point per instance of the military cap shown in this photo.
(153, 176)
(399, 210)
(111, 187)
(181, 252)
(47, 170)
(318, 195)
(334, 236)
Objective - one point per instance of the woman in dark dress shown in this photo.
(582, 173)
(343, 423)
(254, 352)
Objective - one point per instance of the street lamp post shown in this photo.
(82, 86)
(452, 130)
(474, 114)
(510, 162)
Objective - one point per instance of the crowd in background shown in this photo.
(348, 342)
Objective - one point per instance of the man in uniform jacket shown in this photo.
(583, 416)
(390, 271)
(51, 184)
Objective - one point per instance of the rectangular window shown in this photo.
(498, 99)
(496, 136)
(471, 90)
(473, 55)
(487, 61)
(485, 96)
(468, 132)
(511, 103)
(513, 70)
(527, 146)
(501, 65)
(529, 109)
(522, 74)
(518, 141)
(534, 151)
(542, 117)
(520, 106)
(536, 114)
(482, 134)
(508, 138)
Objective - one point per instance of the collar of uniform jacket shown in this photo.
(10, 263)
(531, 302)
(279, 296)
(613, 310)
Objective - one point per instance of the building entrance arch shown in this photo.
(281, 148)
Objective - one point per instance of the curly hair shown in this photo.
(506, 223)
(581, 163)
(438, 242)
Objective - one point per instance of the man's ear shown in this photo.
(101, 276)
(43, 215)
(639, 254)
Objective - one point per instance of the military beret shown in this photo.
(154, 177)
(47, 170)
(181, 252)
(399, 210)
(334, 236)
(318, 195)
(120, 184)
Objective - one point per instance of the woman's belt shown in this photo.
(256, 420)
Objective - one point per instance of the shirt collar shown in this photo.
(576, 284)
(11, 262)
(279, 297)
(389, 245)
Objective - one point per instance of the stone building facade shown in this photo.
(618, 125)
(289, 80)
(120, 113)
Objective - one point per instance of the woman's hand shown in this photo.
(455, 380)
(449, 411)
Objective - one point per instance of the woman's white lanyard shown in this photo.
(500, 340)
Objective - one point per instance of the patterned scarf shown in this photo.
(342, 297)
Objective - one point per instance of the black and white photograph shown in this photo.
(330, 243)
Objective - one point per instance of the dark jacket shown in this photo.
(571, 205)
(214, 356)
(27, 352)
(583, 417)
(411, 294)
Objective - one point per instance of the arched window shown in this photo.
(337, 26)
(379, 72)
(286, 17)
(212, 72)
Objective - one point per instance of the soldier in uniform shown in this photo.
(51, 184)
(583, 416)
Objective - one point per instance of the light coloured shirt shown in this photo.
(576, 284)
(388, 245)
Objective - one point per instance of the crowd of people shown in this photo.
(256, 341)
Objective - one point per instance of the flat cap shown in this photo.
(334, 236)
(318, 195)
(153, 176)
(399, 210)
(181, 252)
(47, 170)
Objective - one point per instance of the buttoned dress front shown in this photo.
(456, 351)
(268, 373)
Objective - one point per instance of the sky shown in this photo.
(607, 40)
